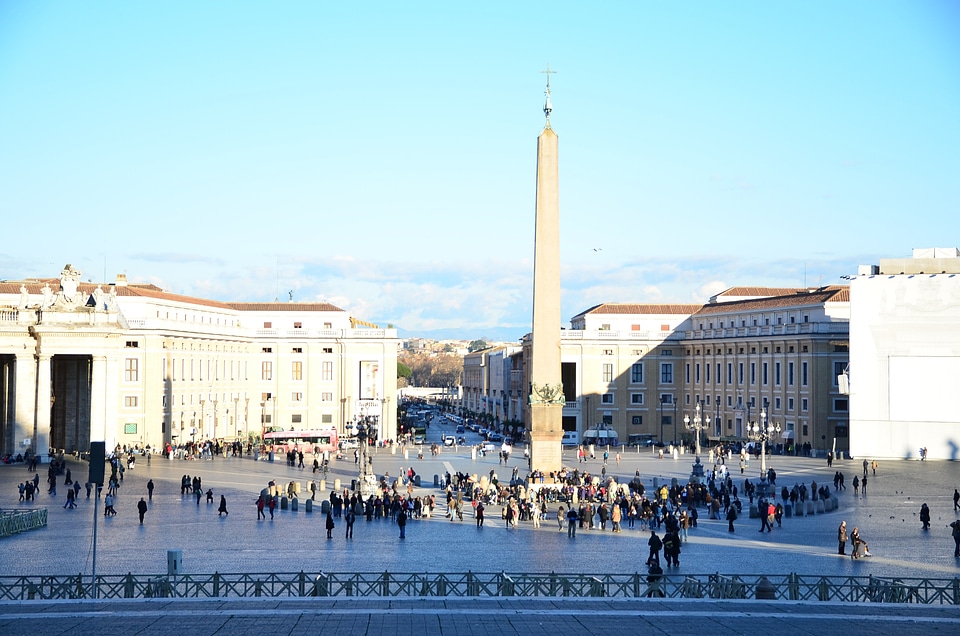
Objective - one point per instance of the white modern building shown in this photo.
(134, 365)
(905, 357)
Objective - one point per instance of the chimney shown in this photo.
(121, 280)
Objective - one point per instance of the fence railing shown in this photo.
(17, 521)
(792, 587)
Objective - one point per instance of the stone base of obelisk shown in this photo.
(545, 437)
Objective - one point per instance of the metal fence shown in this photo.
(17, 521)
(790, 587)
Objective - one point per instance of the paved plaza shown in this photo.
(295, 541)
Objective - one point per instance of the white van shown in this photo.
(570, 438)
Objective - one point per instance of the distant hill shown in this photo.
(495, 334)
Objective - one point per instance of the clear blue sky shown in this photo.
(381, 156)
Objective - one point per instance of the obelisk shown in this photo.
(546, 390)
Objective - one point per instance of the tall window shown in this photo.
(838, 368)
(696, 373)
(730, 373)
(790, 373)
(608, 372)
(753, 373)
(131, 370)
(803, 373)
(766, 378)
(636, 373)
(266, 370)
(297, 371)
(326, 371)
(666, 372)
(776, 373)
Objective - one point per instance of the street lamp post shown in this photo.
(696, 425)
(366, 430)
(762, 432)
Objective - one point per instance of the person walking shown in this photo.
(925, 516)
(561, 516)
(222, 510)
(842, 538)
(150, 487)
(479, 514)
(330, 525)
(763, 510)
(260, 513)
(142, 509)
(573, 518)
(732, 516)
(350, 518)
(402, 522)
(956, 499)
(655, 544)
(956, 538)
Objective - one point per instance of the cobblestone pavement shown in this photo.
(295, 540)
(455, 617)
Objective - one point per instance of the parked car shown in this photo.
(347, 444)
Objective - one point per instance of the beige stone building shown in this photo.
(639, 369)
(135, 365)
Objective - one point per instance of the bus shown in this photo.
(315, 442)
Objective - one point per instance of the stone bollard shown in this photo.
(788, 510)
(284, 503)
(809, 509)
(820, 507)
(323, 486)
(336, 484)
(325, 506)
(294, 504)
(308, 507)
(436, 481)
(416, 481)
(766, 591)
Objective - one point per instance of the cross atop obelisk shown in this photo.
(546, 399)
(547, 106)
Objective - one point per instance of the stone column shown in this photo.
(26, 401)
(44, 404)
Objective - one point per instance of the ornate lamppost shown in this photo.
(761, 433)
(696, 425)
(365, 429)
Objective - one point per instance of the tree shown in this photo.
(477, 345)
(403, 374)
(434, 371)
